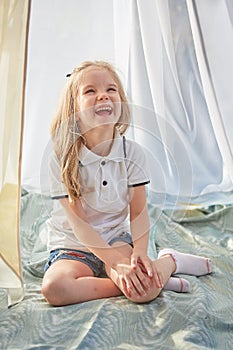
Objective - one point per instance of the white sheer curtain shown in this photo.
(180, 76)
(213, 40)
(175, 60)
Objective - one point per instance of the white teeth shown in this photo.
(107, 108)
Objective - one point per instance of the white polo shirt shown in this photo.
(104, 183)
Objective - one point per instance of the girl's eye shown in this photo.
(112, 89)
(89, 91)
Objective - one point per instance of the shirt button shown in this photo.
(103, 162)
(104, 183)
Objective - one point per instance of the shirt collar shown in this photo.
(116, 154)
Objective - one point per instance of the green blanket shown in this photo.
(201, 319)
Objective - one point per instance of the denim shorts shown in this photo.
(88, 258)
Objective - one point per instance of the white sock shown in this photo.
(177, 284)
(189, 264)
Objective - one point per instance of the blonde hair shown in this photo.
(66, 137)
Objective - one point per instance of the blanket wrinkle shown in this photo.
(199, 320)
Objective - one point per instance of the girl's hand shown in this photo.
(148, 267)
(133, 281)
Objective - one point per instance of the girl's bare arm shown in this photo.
(129, 279)
(87, 235)
(140, 229)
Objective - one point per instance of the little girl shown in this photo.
(99, 227)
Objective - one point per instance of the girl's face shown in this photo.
(99, 102)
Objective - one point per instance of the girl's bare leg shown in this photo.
(165, 265)
(70, 282)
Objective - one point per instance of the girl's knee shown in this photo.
(53, 290)
(150, 296)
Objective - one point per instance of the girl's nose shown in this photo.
(103, 96)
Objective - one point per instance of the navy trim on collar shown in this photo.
(140, 184)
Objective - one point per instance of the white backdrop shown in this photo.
(61, 35)
(175, 62)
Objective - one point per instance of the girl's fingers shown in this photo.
(146, 266)
(144, 279)
(158, 279)
(139, 277)
(149, 268)
(125, 289)
(137, 283)
(134, 261)
(137, 289)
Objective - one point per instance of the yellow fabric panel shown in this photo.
(9, 226)
(14, 17)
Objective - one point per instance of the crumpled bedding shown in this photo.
(201, 319)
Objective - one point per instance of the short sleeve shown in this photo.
(57, 187)
(137, 165)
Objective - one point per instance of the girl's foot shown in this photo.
(187, 263)
(177, 284)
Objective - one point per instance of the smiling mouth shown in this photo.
(104, 110)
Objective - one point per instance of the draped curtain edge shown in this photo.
(208, 86)
(10, 294)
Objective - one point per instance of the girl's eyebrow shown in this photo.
(113, 84)
(84, 87)
(87, 86)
